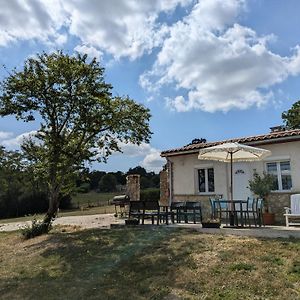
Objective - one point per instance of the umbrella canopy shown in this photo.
(233, 152)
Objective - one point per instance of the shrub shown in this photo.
(84, 188)
(35, 229)
(150, 194)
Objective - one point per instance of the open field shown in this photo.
(155, 263)
(92, 198)
(82, 201)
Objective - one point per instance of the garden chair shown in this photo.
(176, 207)
(293, 212)
(222, 208)
(259, 206)
(191, 209)
(212, 207)
(136, 209)
(251, 211)
(151, 210)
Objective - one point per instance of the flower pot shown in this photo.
(211, 225)
(132, 222)
(269, 218)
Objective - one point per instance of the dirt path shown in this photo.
(88, 221)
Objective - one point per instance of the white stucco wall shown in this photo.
(185, 178)
(185, 181)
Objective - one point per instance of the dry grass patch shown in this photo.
(159, 263)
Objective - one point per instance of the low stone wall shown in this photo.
(277, 202)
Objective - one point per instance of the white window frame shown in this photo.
(279, 178)
(205, 168)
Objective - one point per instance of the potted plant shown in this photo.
(211, 223)
(261, 186)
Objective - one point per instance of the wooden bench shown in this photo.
(293, 212)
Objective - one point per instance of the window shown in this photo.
(282, 175)
(206, 180)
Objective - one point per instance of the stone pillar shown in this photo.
(133, 187)
(164, 187)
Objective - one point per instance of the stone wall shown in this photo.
(277, 202)
(133, 187)
(164, 187)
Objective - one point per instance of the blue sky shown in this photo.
(215, 69)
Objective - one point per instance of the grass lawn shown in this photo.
(155, 263)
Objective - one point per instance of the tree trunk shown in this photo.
(53, 207)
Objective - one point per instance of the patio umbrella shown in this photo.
(233, 152)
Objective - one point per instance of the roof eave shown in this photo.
(252, 143)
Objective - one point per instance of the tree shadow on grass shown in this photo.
(104, 264)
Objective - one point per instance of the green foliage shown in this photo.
(291, 117)
(35, 229)
(262, 185)
(108, 183)
(273, 259)
(83, 188)
(242, 267)
(150, 194)
(94, 178)
(80, 121)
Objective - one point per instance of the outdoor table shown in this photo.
(237, 208)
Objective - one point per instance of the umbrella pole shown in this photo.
(231, 192)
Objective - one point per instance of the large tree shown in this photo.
(80, 120)
(291, 117)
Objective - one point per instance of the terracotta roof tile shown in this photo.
(264, 138)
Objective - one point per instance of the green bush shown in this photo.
(83, 188)
(35, 229)
(150, 194)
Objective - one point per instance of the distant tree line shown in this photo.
(23, 192)
(104, 182)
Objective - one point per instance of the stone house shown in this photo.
(192, 179)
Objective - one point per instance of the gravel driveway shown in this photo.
(88, 221)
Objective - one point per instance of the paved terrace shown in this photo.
(105, 221)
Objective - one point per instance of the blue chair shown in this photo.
(259, 210)
(221, 209)
(251, 210)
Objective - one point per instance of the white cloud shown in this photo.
(5, 135)
(26, 20)
(121, 28)
(14, 143)
(151, 159)
(89, 50)
(219, 64)
(214, 63)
